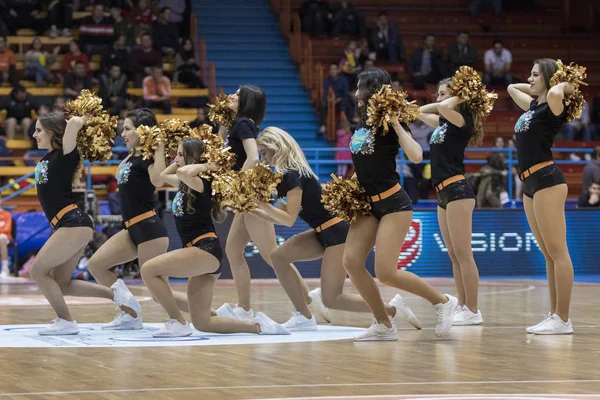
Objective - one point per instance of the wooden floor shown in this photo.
(498, 358)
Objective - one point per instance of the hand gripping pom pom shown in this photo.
(387, 106)
(575, 74)
(345, 198)
(220, 113)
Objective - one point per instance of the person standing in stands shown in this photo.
(544, 185)
(96, 31)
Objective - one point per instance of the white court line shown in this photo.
(324, 385)
(527, 289)
(520, 396)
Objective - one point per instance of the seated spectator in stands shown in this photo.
(113, 89)
(347, 20)
(201, 118)
(581, 128)
(8, 231)
(38, 62)
(478, 6)
(43, 109)
(76, 81)
(58, 104)
(7, 63)
(364, 53)
(426, 65)
(74, 55)
(316, 17)
(117, 54)
(19, 107)
(165, 33)
(157, 90)
(591, 172)
(349, 64)
(491, 183)
(590, 197)
(123, 27)
(386, 40)
(369, 64)
(177, 9)
(461, 53)
(23, 14)
(498, 61)
(96, 31)
(143, 59)
(188, 66)
(142, 17)
(60, 16)
(343, 101)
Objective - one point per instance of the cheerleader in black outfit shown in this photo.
(54, 265)
(374, 156)
(299, 195)
(544, 186)
(456, 127)
(144, 235)
(201, 258)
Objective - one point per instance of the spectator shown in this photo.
(177, 9)
(591, 197)
(426, 65)
(142, 17)
(123, 27)
(19, 108)
(201, 119)
(591, 172)
(23, 14)
(96, 31)
(113, 89)
(74, 55)
(117, 54)
(144, 58)
(461, 53)
(343, 102)
(369, 64)
(76, 81)
(348, 21)
(7, 62)
(581, 128)
(58, 105)
(498, 61)
(188, 66)
(60, 15)
(363, 53)
(498, 142)
(342, 140)
(478, 6)
(421, 132)
(316, 17)
(8, 229)
(38, 62)
(349, 64)
(157, 91)
(165, 33)
(387, 41)
(43, 109)
(512, 155)
(491, 184)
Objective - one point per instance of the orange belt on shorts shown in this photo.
(449, 181)
(199, 238)
(61, 214)
(525, 174)
(386, 194)
(328, 224)
(139, 218)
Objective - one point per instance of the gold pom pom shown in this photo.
(96, 138)
(174, 130)
(574, 74)
(150, 137)
(86, 103)
(574, 104)
(220, 113)
(214, 150)
(387, 106)
(466, 84)
(345, 198)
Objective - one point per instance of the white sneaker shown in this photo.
(445, 315)
(317, 306)
(173, 328)
(554, 326)
(467, 317)
(268, 326)
(4, 273)
(123, 297)
(124, 322)
(243, 314)
(299, 322)
(378, 332)
(403, 312)
(60, 326)
(226, 310)
(534, 327)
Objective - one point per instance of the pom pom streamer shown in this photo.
(575, 74)
(345, 198)
(86, 103)
(220, 113)
(150, 137)
(174, 130)
(388, 106)
(466, 84)
(214, 150)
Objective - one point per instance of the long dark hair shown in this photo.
(55, 124)
(142, 116)
(477, 133)
(252, 103)
(369, 82)
(193, 151)
(548, 68)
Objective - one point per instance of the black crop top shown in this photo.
(136, 191)
(242, 129)
(193, 223)
(447, 145)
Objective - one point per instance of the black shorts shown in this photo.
(544, 178)
(399, 201)
(146, 230)
(334, 235)
(74, 219)
(455, 191)
(212, 246)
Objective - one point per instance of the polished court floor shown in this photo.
(497, 360)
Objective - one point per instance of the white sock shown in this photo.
(4, 265)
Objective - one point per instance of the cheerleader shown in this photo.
(544, 186)
(300, 196)
(73, 228)
(249, 103)
(200, 261)
(374, 156)
(456, 127)
(144, 235)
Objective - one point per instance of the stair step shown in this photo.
(248, 38)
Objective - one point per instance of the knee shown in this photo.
(329, 298)
(148, 270)
(234, 253)
(36, 272)
(557, 252)
(350, 262)
(385, 274)
(200, 323)
(462, 255)
(278, 259)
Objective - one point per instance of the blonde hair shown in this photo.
(288, 154)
